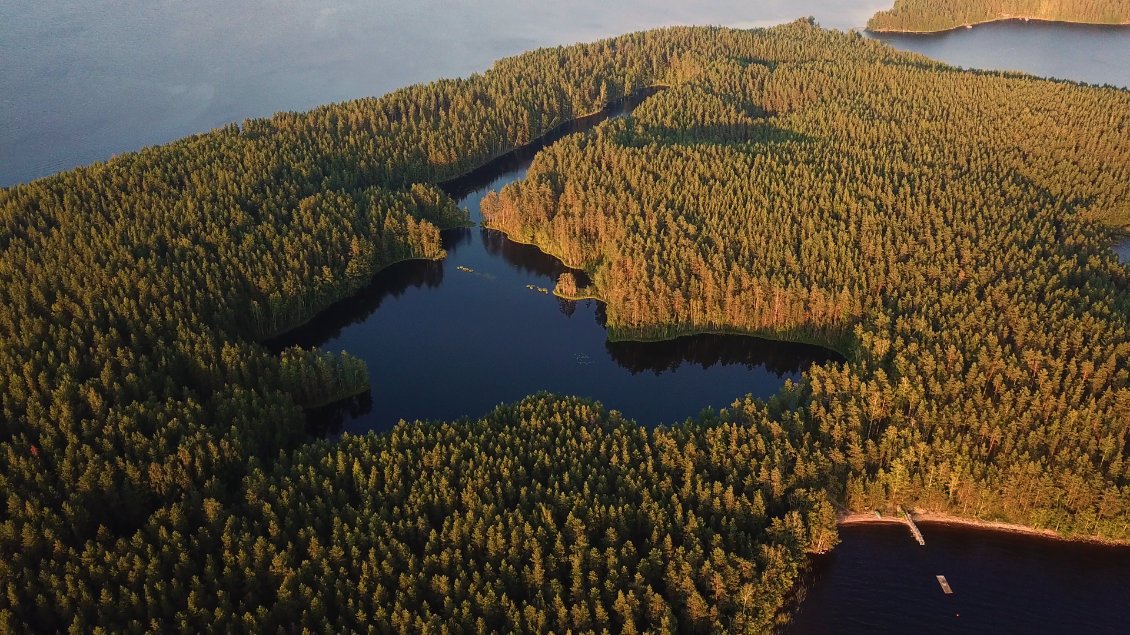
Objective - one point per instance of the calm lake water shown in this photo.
(1078, 52)
(879, 580)
(83, 80)
(1122, 248)
(483, 337)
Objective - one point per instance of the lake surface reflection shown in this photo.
(442, 342)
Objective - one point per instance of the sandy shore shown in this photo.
(932, 518)
(858, 518)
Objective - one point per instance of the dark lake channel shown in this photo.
(453, 338)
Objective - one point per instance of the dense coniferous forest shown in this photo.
(931, 223)
(942, 15)
(153, 462)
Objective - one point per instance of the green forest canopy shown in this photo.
(933, 226)
(943, 15)
(155, 472)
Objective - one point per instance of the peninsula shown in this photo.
(935, 16)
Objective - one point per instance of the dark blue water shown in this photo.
(879, 580)
(444, 343)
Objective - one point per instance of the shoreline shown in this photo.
(290, 329)
(1011, 18)
(576, 298)
(842, 351)
(642, 94)
(835, 348)
(844, 519)
(442, 184)
(338, 397)
(271, 341)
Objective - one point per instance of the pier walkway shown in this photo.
(913, 528)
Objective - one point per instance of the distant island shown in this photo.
(934, 16)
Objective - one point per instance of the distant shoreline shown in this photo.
(933, 518)
(1011, 18)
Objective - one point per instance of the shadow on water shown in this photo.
(711, 350)
(519, 158)
(390, 282)
(528, 258)
(395, 280)
(330, 419)
(454, 338)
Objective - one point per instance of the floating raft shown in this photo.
(944, 584)
(913, 528)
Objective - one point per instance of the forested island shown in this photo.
(933, 16)
(943, 228)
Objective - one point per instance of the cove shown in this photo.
(454, 338)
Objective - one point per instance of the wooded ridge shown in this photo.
(935, 224)
(930, 16)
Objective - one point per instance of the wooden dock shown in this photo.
(913, 528)
(944, 584)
